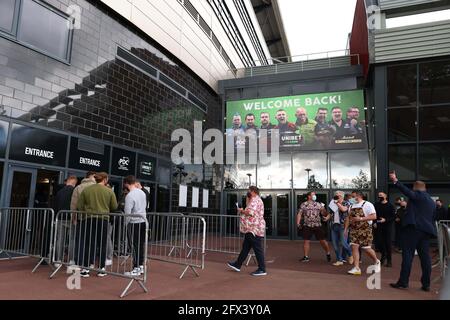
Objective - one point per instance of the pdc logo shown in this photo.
(124, 162)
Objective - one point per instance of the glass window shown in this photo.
(7, 8)
(194, 173)
(434, 123)
(434, 82)
(310, 170)
(350, 170)
(434, 162)
(402, 85)
(163, 199)
(402, 159)
(237, 176)
(163, 174)
(1, 176)
(402, 124)
(276, 175)
(44, 29)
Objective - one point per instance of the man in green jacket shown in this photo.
(97, 201)
(305, 126)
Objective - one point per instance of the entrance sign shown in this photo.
(86, 160)
(322, 121)
(38, 146)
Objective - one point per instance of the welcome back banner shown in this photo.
(333, 120)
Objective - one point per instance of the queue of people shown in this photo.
(352, 221)
(92, 241)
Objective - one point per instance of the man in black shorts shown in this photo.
(312, 211)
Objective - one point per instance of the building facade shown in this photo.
(404, 72)
(101, 85)
(407, 63)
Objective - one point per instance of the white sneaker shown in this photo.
(377, 266)
(108, 262)
(57, 265)
(338, 263)
(102, 273)
(355, 271)
(134, 273)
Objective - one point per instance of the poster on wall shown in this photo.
(182, 202)
(205, 203)
(322, 121)
(195, 197)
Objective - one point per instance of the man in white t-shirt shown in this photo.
(361, 215)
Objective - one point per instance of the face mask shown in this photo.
(249, 195)
(314, 198)
(381, 199)
(352, 200)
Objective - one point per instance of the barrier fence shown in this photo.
(444, 246)
(116, 244)
(108, 244)
(223, 234)
(178, 239)
(27, 232)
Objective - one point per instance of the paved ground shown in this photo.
(288, 279)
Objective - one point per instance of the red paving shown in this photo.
(288, 279)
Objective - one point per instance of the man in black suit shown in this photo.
(417, 229)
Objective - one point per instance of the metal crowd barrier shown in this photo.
(223, 234)
(178, 239)
(443, 228)
(108, 244)
(27, 232)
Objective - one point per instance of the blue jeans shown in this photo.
(338, 239)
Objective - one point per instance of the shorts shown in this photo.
(362, 236)
(318, 232)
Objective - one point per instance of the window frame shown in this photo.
(13, 36)
(14, 21)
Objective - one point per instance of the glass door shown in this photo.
(29, 188)
(276, 213)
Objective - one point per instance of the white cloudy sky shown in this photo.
(314, 26)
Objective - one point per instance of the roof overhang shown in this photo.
(271, 23)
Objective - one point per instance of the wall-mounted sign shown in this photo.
(38, 146)
(146, 167)
(86, 160)
(320, 121)
(4, 126)
(123, 162)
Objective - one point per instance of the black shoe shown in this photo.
(426, 289)
(259, 272)
(398, 286)
(233, 266)
(328, 257)
(305, 259)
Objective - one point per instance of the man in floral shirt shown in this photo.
(253, 226)
(312, 212)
